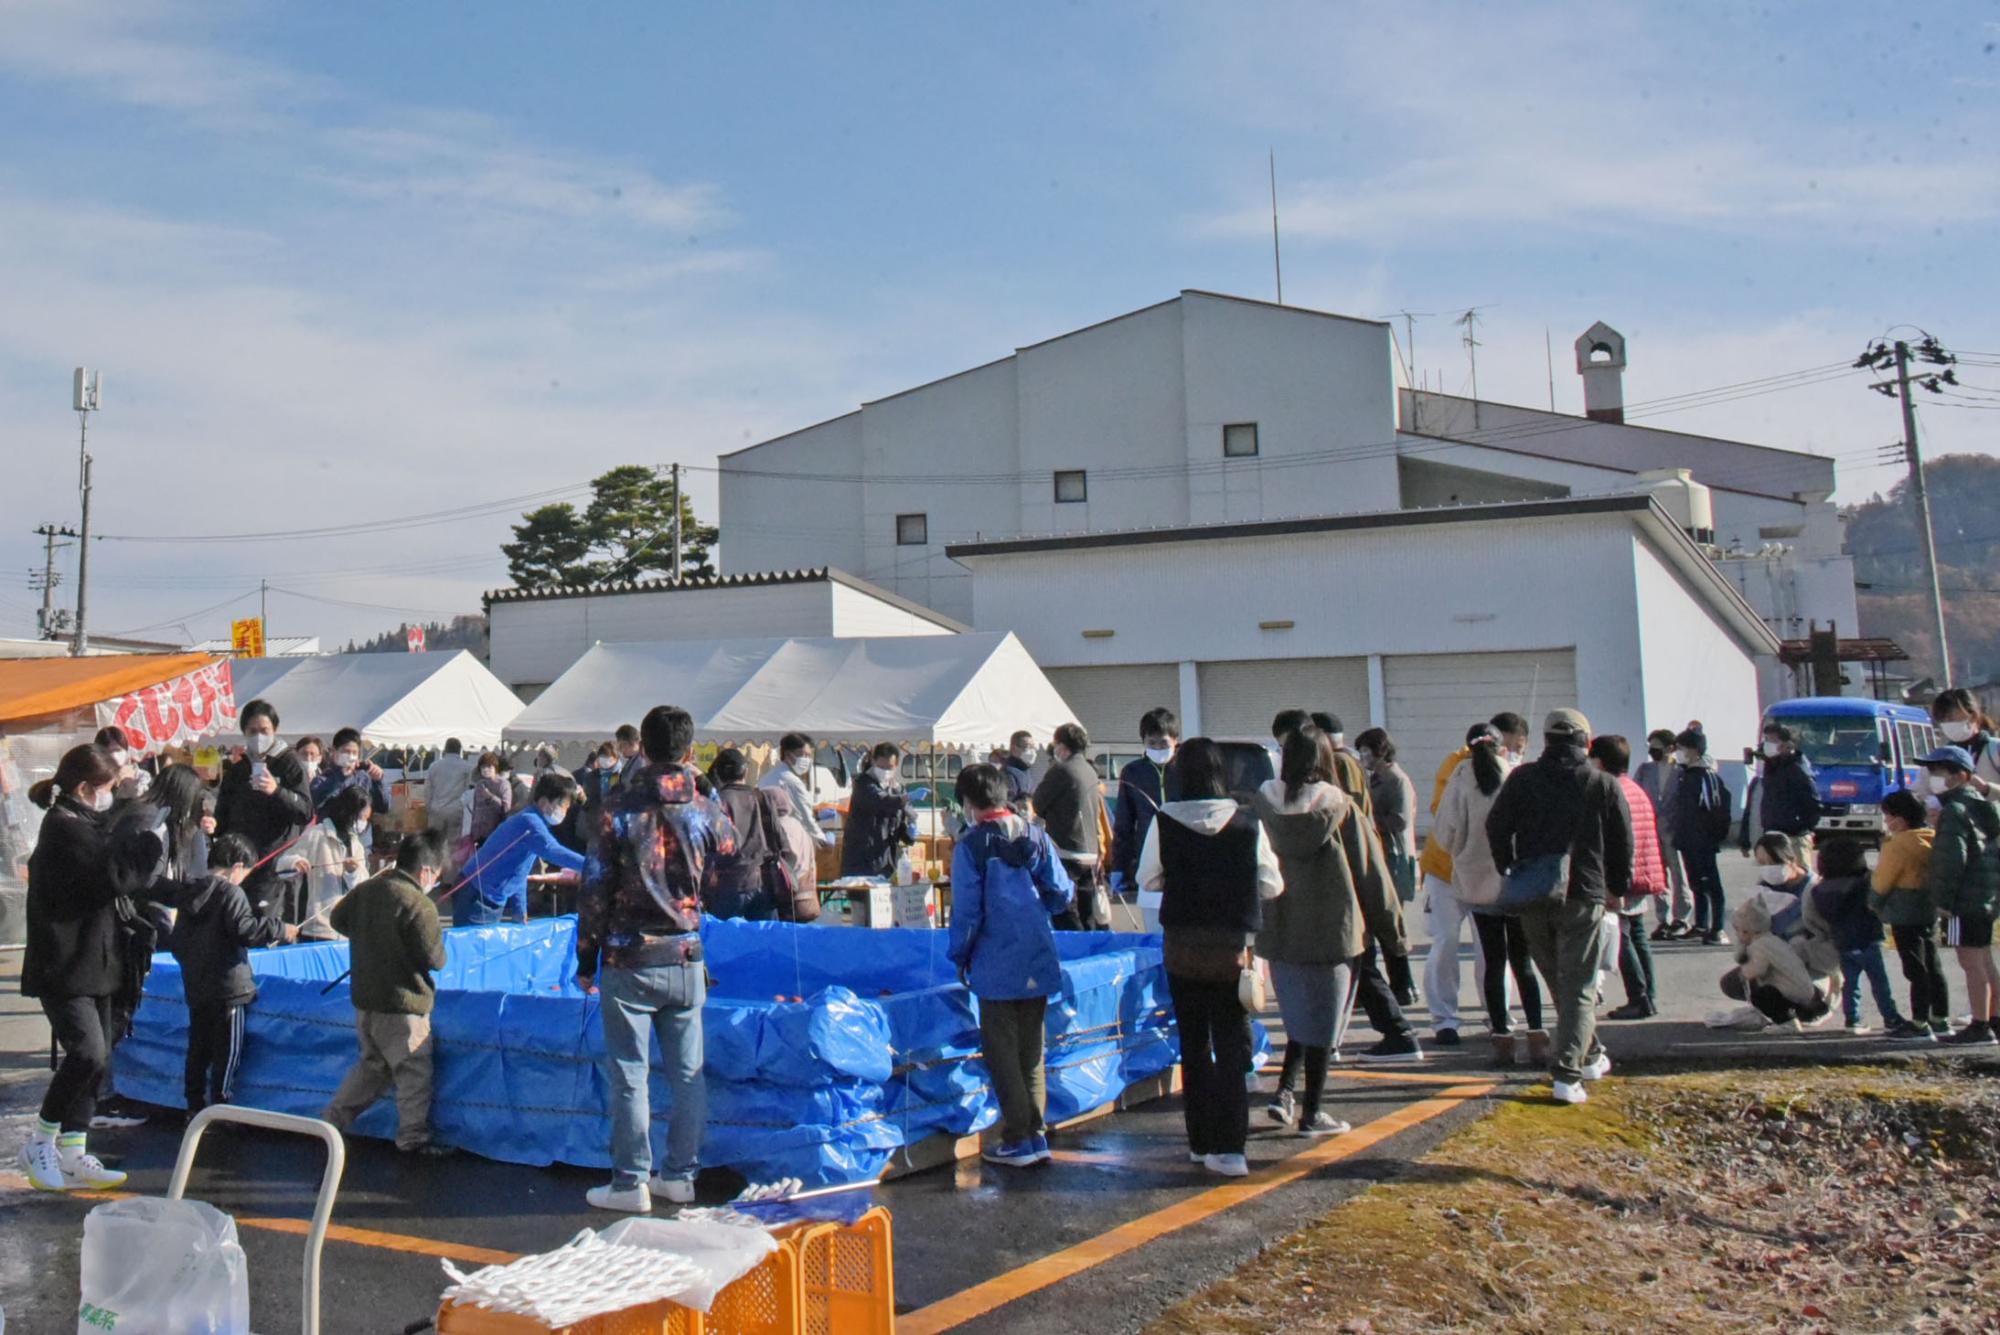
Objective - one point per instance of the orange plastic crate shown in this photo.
(824, 1279)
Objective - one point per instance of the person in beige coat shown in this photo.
(1460, 831)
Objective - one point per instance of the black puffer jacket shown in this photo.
(212, 937)
(879, 824)
(1562, 804)
(268, 820)
(72, 915)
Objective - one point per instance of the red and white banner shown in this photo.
(174, 712)
(415, 638)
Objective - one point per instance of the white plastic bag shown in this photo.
(723, 1253)
(161, 1267)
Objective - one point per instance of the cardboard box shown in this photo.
(874, 906)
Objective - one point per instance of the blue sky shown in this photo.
(348, 261)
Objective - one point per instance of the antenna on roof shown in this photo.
(1470, 323)
(1277, 264)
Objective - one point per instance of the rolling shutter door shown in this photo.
(1434, 698)
(1238, 700)
(1109, 701)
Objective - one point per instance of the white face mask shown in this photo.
(1774, 875)
(802, 765)
(1688, 757)
(1029, 755)
(1940, 784)
(1774, 749)
(1367, 757)
(1159, 755)
(121, 757)
(101, 800)
(1958, 730)
(887, 777)
(260, 743)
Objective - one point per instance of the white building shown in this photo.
(1420, 622)
(283, 646)
(534, 635)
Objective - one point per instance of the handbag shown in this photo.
(1532, 883)
(1250, 988)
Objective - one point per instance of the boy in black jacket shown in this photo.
(213, 933)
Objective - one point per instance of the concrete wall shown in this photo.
(781, 523)
(857, 614)
(1692, 666)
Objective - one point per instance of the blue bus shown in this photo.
(1861, 751)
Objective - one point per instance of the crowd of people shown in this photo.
(1554, 859)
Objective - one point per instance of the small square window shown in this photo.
(1239, 440)
(913, 530)
(1072, 486)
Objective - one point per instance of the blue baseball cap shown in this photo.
(1957, 757)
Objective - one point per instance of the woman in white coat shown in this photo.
(1460, 830)
(333, 858)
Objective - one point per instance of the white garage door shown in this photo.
(1109, 701)
(1240, 699)
(1434, 698)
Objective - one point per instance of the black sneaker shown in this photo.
(1633, 1010)
(1404, 1049)
(1903, 1031)
(1445, 1038)
(1978, 1034)
(1664, 932)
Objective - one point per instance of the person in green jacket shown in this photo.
(1965, 883)
(394, 944)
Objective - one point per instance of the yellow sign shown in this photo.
(246, 637)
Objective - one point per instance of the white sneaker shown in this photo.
(677, 1190)
(43, 1165)
(1283, 1109)
(1598, 1069)
(1566, 1092)
(1323, 1124)
(632, 1200)
(85, 1171)
(1227, 1165)
(1197, 1158)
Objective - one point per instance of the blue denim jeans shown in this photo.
(1854, 965)
(635, 1004)
(468, 909)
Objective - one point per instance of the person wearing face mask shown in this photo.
(1069, 802)
(332, 859)
(1701, 820)
(1659, 775)
(348, 770)
(880, 821)
(72, 962)
(1790, 797)
(631, 758)
(487, 801)
(793, 776)
(1961, 722)
(265, 797)
(394, 946)
(1394, 798)
(1019, 769)
(1900, 893)
(1143, 786)
(132, 781)
(1964, 882)
(496, 880)
(598, 778)
(311, 752)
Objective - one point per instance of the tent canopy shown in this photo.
(37, 688)
(955, 691)
(394, 699)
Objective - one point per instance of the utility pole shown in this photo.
(1921, 495)
(264, 611)
(677, 523)
(1881, 356)
(88, 385)
(1471, 322)
(49, 578)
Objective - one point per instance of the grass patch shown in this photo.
(1833, 1199)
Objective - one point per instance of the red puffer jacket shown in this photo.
(1649, 869)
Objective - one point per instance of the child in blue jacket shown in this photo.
(1006, 883)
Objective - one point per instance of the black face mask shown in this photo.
(1657, 753)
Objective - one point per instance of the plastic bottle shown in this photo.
(905, 874)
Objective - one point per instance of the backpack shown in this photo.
(1712, 806)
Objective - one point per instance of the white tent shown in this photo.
(396, 700)
(958, 692)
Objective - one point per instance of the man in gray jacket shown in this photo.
(1660, 776)
(1069, 801)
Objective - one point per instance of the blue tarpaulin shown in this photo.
(879, 1050)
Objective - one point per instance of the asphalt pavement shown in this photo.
(1117, 1228)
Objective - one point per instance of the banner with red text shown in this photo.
(174, 712)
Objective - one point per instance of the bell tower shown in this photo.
(1600, 360)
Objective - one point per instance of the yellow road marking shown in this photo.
(1400, 1077)
(360, 1237)
(1039, 1274)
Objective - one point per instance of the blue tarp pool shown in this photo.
(881, 1052)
